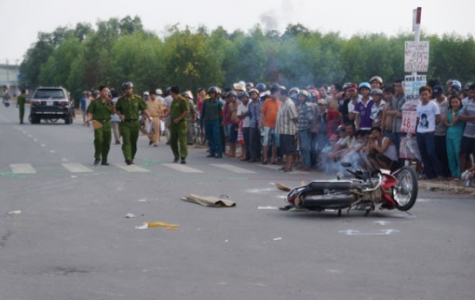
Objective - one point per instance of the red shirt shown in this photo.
(333, 121)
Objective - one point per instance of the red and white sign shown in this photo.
(409, 119)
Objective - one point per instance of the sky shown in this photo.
(21, 20)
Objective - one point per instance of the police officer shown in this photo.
(128, 108)
(20, 103)
(179, 110)
(99, 111)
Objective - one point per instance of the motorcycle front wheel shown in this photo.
(405, 193)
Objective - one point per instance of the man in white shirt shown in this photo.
(428, 116)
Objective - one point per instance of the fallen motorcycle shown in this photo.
(366, 191)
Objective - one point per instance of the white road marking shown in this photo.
(357, 232)
(132, 168)
(77, 168)
(64, 159)
(22, 169)
(35, 140)
(183, 168)
(43, 145)
(233, 168)
(29, 135)
(382, 222)
(52, 151)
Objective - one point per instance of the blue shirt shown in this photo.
(254, 114)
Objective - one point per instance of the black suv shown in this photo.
(51, 103)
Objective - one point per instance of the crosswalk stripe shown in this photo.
(233, 168)
(132, 168)
(183, 168)
(22, 169)
(76, 168)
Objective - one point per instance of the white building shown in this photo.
(9, 79)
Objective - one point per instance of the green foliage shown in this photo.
(119, 50)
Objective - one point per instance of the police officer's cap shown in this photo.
(127, 85)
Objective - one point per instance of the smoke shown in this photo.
(278, 19)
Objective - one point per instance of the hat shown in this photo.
(242, 95)
(254, 91)
(159, 92)
(340, 128)
(437, 91)
(353, 87)
(265, 94)
(146, 93)
(240, 86)
(333, 137)
(322, 101)
(187, 94)
(376, 92)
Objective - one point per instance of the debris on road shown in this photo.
(158, 224)
(15, 212)
(130, 216)
(282, 187)
(267, 207)
(277, 239)
(209, 201)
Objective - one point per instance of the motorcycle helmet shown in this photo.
(304, 93)
(455, 84)
(377, 78)
(347, 85)
(212, 89)
(294, 90)
(254, 91)
(315, 95)
(231, 94)
(127, 85)
(364, 85)
(243, 94)
(261, 87)
(467, 86)
(376, 92)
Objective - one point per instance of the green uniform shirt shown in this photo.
(212, 110)
(100, 110)
(21, 100)
(177, 108)
(130, 106)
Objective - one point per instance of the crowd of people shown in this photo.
(315, 127)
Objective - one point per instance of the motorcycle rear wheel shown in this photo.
(405, 194)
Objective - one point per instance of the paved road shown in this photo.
(72, 240)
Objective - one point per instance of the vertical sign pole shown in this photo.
(417, 28)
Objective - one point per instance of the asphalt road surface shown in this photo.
(72, 240)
